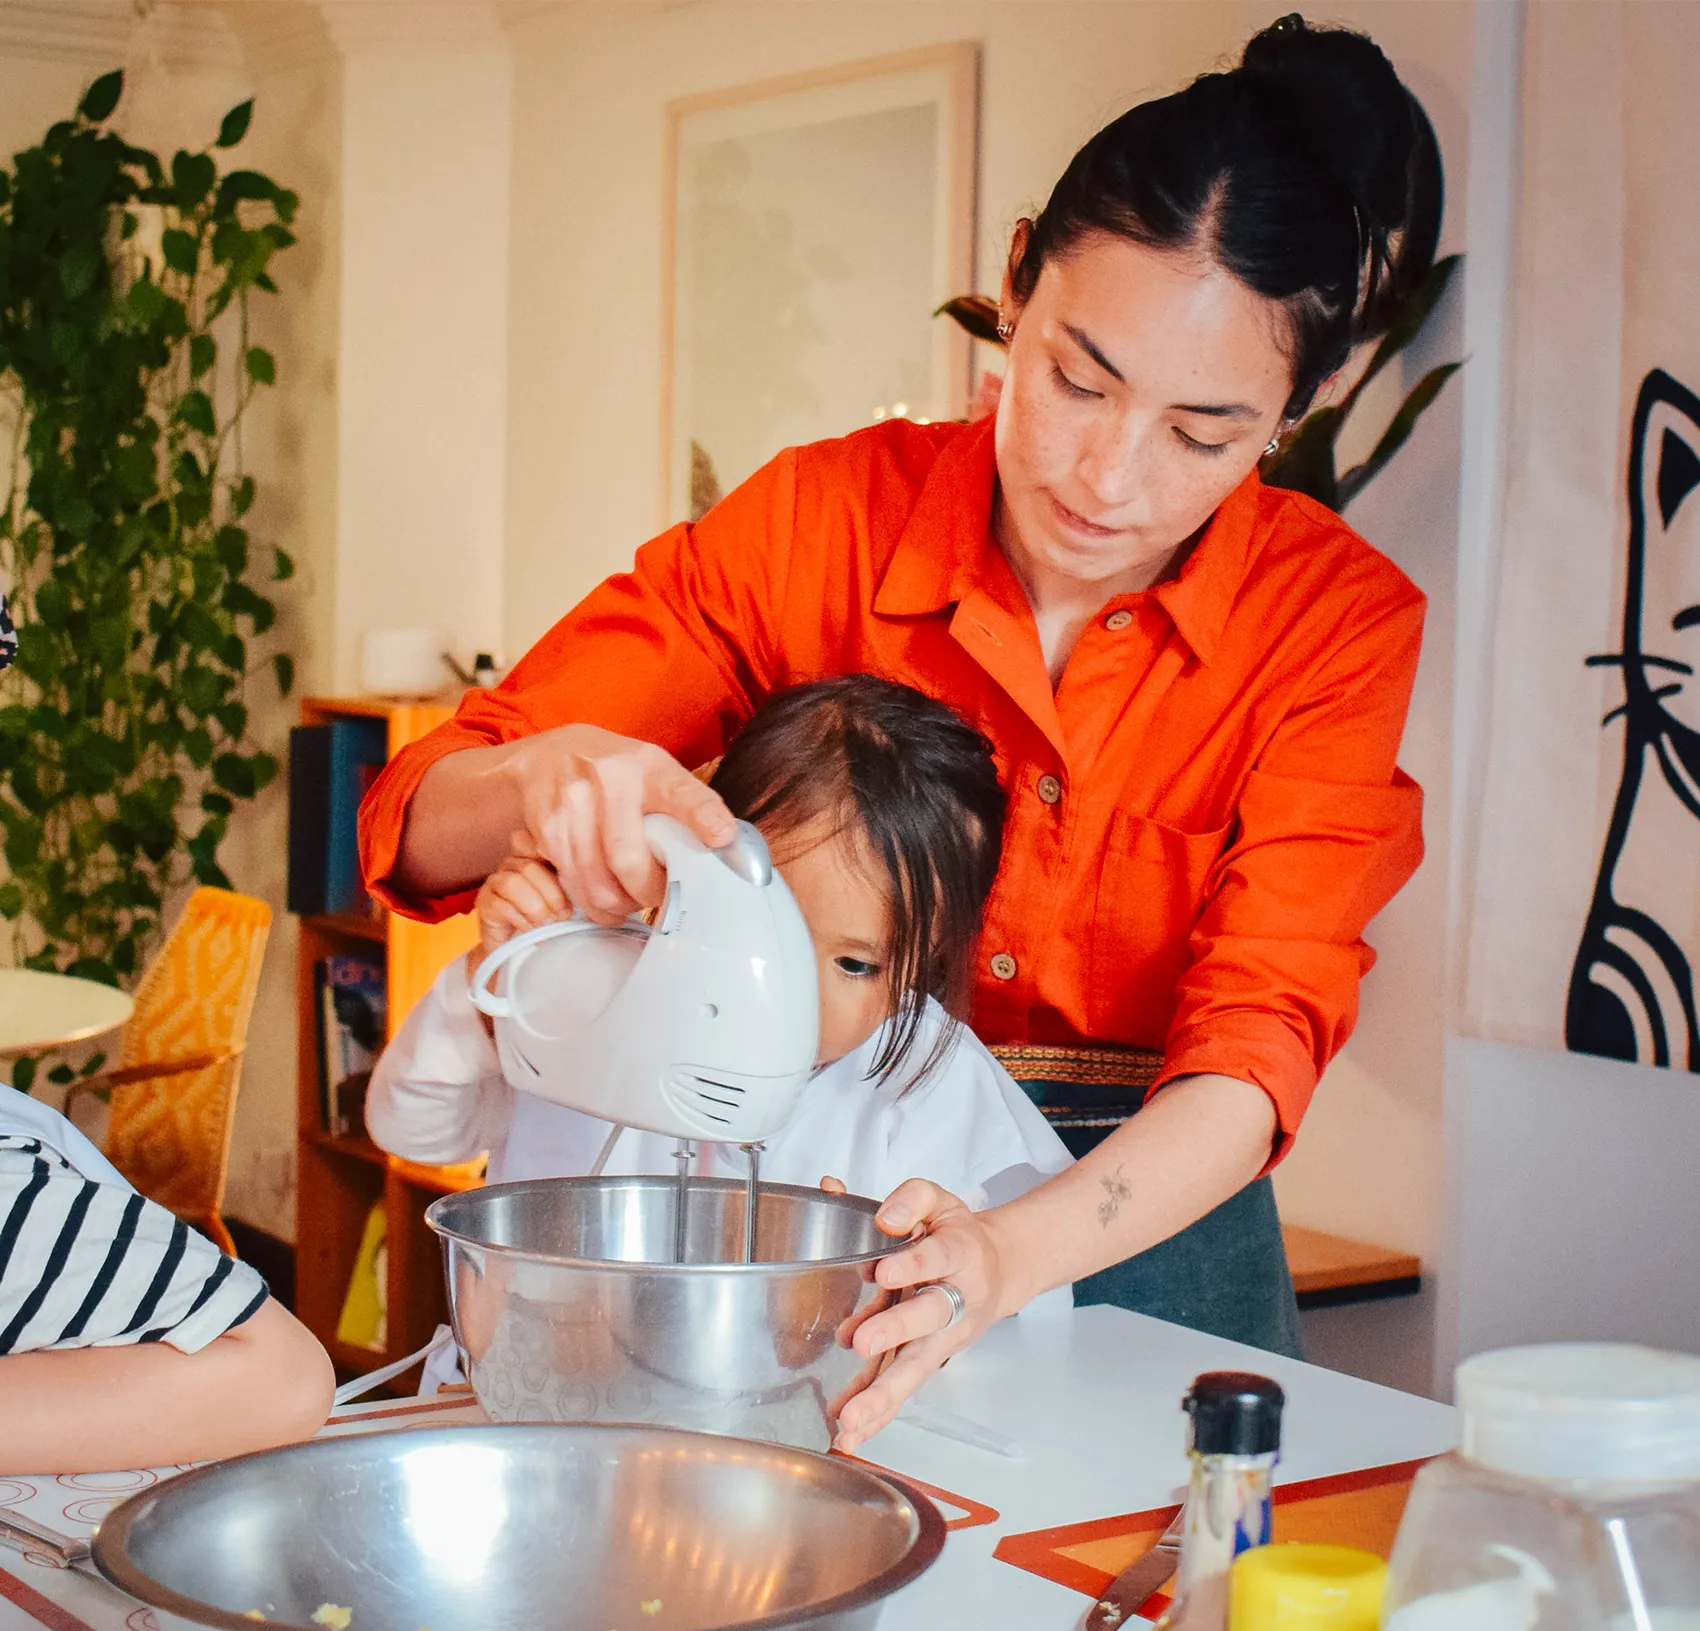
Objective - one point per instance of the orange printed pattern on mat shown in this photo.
(1348, 1509)
(43, 1610)
(974, 1513)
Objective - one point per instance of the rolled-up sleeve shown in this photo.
(678, 652)
(1328, 830)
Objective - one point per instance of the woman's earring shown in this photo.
(1006, 329)
(1274, 447)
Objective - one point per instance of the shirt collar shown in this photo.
(1200, 596)
(946, 548)
(942, 551)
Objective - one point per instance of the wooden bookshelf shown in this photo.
(341, 1179)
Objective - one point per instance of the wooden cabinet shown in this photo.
(339, 1180)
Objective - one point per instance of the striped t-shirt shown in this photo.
(87, 1264)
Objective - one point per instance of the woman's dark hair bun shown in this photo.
(1348, 104)
(1309, 171)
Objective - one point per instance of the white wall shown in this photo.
(591, 84)
(422, 387)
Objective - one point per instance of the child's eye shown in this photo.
(1198, 446)
(856, 968)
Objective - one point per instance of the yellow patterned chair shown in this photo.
(173, 1093)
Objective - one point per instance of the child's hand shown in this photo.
(522, 893)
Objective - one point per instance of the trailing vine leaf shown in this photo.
(235, 125)
(101, 99)
(137, 590)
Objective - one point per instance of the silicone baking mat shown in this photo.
(1349, 1509)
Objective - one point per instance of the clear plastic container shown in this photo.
(1572, 1503)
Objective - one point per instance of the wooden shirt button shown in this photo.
(1003, 965)
(1117, 621)
(1050, 789)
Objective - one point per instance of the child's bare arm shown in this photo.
(265, 1382)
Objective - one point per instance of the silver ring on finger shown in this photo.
(953, 1295)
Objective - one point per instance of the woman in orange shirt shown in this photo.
(1195, 685)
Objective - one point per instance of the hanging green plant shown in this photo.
(1305, 460)
(126, 366)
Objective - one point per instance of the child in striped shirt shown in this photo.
(126, 1338)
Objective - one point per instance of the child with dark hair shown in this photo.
(883, 813)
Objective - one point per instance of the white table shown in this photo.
(1093, 1397)
(40, 1011)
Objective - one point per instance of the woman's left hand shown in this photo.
(955, 1244)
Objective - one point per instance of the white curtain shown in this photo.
(1585, 923)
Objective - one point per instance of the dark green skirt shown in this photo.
(1225, 1274)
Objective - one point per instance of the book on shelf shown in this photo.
(350, 1012)
(331, 768)
(364, 1321)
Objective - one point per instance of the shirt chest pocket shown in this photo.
(1151, 889)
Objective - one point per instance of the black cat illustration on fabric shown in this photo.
(1632, 988)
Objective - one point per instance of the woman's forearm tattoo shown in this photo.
(1116, 1190)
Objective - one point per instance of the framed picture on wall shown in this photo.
(812, 226)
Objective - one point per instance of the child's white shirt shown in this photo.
(438, 1095)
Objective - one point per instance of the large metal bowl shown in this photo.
(568, 1303)
(524, 1528)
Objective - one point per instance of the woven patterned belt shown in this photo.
(1088, 1091)
(1125, 1068)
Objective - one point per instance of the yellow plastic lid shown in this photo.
(1299, 1585)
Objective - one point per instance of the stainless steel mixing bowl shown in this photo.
(568, 1305)
(524, 1528)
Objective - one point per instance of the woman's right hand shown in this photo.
(584, 793)
(914, 1336)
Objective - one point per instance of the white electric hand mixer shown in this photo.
(703, 1025)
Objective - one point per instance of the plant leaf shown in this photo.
(235, 125)
(192, 178)
(23, 1074)
(1305, 462)
(1407, 321)
(97, 105)
(261, 367)
(182, 253)
(977, 313)
(283, 666)
(283, 565)
(203, 353)
(1398, 432)
(195, 410)
(78, 269)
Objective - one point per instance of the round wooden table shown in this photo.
(41, 1011)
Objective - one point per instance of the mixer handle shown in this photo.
(486, 1000)
(673, 844)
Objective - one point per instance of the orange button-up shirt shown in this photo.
(1203, 816)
